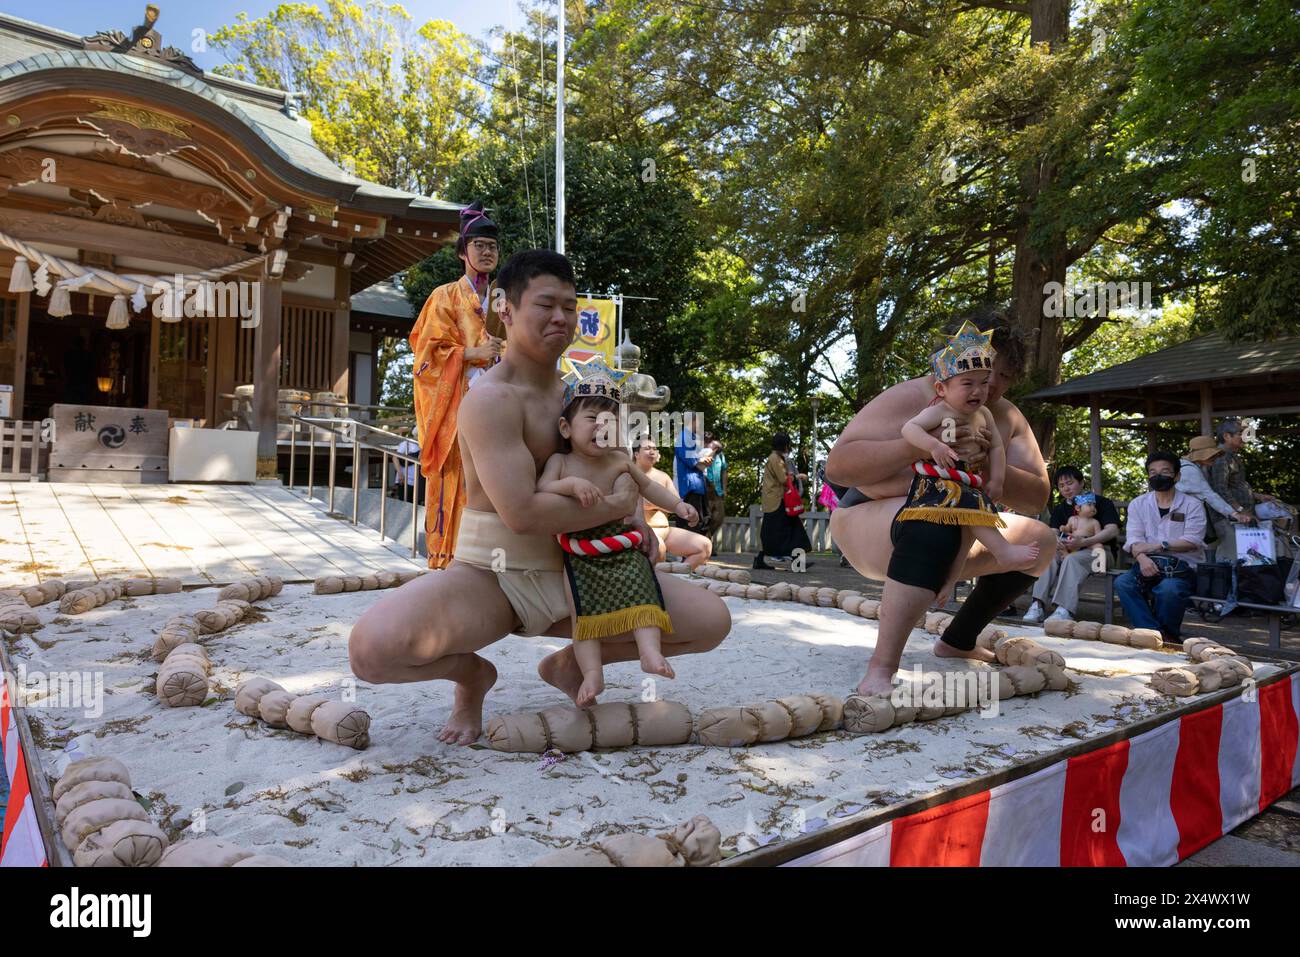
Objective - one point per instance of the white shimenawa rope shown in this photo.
(92, 280)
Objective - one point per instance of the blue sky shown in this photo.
(180, 17)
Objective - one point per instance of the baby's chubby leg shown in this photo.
(587, 654)
(648, 646)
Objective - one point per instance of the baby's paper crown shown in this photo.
(1085, 498)
(592, 377)
(967, 351)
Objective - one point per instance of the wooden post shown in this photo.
(1094, 443)
(373, 398)
(223, 352)
(340, 340)
(266, 371)
(210, 368)
(1207, 413)
(1151, 430)
(20, 349)
(155, 337)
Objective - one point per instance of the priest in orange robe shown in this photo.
(451, 345)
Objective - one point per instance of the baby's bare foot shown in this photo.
(1017, 557)
(653, 663)
(592, 685)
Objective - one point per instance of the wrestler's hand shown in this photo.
(993, 490)
(972, 446)
(649, 540)
(687, 513)
(586, 493)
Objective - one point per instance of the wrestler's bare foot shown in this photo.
(654, 663)
(944, 650)
(560, 670)
(466, 721)
(877, 681)
(592, 685)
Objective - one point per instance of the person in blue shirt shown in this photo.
(691, 461)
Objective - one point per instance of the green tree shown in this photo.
(390, 102)
(1213, 113)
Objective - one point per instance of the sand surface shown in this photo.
(410, 799)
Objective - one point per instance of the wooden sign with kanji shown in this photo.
(96, 443)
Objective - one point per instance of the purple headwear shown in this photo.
(474, 224)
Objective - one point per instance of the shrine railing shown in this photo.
(366, 444)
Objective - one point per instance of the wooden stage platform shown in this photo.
(201, 534)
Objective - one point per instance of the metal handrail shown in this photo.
(350, 431)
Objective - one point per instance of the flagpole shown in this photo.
(559, 135)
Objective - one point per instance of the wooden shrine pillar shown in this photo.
(340, 340)
(1094, 442)
(21, 327)
(266, 371)
(1207, 409)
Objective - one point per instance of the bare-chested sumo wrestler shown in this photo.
(507, 576)
(913, 558)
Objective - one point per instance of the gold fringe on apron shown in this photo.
(952, 516)
(621, 621)
(948, 502)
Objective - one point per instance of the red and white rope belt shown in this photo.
(600, 546)
(973, 479)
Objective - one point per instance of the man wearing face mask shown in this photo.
(1166, 537)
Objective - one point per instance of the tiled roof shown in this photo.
(27, 48)
(1209, 358)
(383, 299)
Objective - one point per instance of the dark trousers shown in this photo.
(1156, 604)
(404, 491)
(701, 505)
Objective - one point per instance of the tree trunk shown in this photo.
(1033, 269)
(1037, 264)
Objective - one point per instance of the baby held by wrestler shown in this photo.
(944, 489)
(612, 584)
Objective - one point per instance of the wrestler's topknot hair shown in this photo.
(523, 267)
(1007, 339)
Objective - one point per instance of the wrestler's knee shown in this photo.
(712, 621)
(363, 651)
(376, 645)
(1046, 539)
